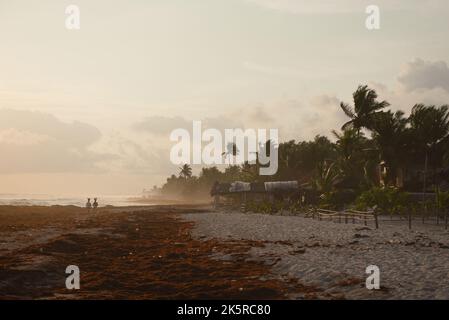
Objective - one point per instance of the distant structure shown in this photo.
(238, 192)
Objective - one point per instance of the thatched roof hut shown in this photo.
(281, 186)
(255, 187)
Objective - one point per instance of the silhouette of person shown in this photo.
(88, 204)
(95, 204)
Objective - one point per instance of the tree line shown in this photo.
(375, 148)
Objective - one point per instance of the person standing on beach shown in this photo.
(88, 205)
(95, 204)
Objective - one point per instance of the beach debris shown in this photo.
(314, 244)
(298, 251)
(363, 229)
(358, 236)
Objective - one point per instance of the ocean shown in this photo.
(51, 200)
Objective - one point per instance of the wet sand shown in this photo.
(129, 253)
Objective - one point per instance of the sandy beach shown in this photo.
(190, 252)
(333, 257)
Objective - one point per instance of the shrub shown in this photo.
(386, 199)
(337, 199)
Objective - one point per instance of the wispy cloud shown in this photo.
(343, 6)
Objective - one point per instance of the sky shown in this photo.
(90, 110)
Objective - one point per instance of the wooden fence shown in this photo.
(347, 216)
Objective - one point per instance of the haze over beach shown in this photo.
(224, 149)
(95, 106)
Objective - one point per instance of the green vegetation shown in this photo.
(376, 157)
(386, 199)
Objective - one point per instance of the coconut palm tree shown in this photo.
(430, 131)
(185, 171)
(352, 160)
(326, 176)
(365, 107)
(231, 151)
(390, 135)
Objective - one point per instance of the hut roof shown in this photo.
(281, 186)
(239, 186)
(257, 187)
(254, 187)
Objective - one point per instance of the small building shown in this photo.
(239, 192)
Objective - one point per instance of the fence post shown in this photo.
(423, 214)
(410, 219)
(376, 221)
(437, 210)
(445, 218)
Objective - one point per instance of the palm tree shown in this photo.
(326, 175)
(352, 158)
(365, 107)
(231, 151)
(430, 130)
(185, 171)
(390, 136)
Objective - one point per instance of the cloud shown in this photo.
(401, 99)
(346, 6)
(307, 7)
(35, 142)
(136, 155)
(161, 125)
(282, 71)
(320, 115)
(261, 115)
(420, 74)
(419, 81)
(12, 136)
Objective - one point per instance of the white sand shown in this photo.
(413, 264)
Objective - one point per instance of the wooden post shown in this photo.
(423, 214)
(437, 205)
(437, 210)
(376, 221)
(410, 219)
(445, 218)
(364, 220)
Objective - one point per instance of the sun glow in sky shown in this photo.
(90, 110)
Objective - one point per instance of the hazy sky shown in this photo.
(89, 111)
